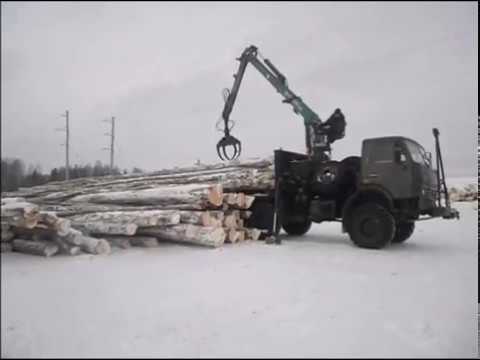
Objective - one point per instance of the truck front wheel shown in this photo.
(298, 227)
(372, 226)
(403, 231)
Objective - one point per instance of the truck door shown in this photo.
(386, 163)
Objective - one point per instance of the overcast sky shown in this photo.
(159, 68)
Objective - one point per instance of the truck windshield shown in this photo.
(419, 155)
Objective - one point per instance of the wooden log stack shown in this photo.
(204, 205)
(466, 193)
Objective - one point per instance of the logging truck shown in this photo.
(377, 196)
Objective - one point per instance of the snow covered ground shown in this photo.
(317, 295)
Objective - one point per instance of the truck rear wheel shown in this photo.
(372, 226)
(403, 231)
(297, 228)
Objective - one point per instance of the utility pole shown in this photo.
(67, 145)
(112, 140)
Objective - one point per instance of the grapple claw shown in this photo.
(224, 143)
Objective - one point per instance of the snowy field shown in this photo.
(317, 295)
(460, 182)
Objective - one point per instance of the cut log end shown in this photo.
(103, 247)
(252, 234)
(232, 236)
(215, 195)
(248, 201)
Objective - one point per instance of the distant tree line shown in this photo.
(15, 174)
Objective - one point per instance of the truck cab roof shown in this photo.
(391, 139)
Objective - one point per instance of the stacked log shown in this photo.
(27, 230)
(467, 193)
(188, 233)
(34, 247)
(16, 212)
(204, 205)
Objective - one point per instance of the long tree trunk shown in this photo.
(202, 218)
(233, 179)
(100, 228)
(10, 200)
(34, 247)
(68, 249)
(139, 218)
(38, 233)
(197, 196)
(193, 234)
(144, 241)
(253, 171)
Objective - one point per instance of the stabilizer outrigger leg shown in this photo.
(275, 238)
(448, 212)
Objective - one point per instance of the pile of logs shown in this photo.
(467, 193)
(204, 205)
(27, 229)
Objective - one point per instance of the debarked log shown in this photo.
(139, 218)
(144, 241)
(188, 233)
(86, 243)
(101, 228)
(122, 242)
(197, 196)
(34, 247)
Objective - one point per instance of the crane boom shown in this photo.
(319, 135)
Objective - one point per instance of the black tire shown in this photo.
(297, 228)
(372, 226)
(403, 231)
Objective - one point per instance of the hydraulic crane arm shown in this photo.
(319, 135)
(278, 81)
